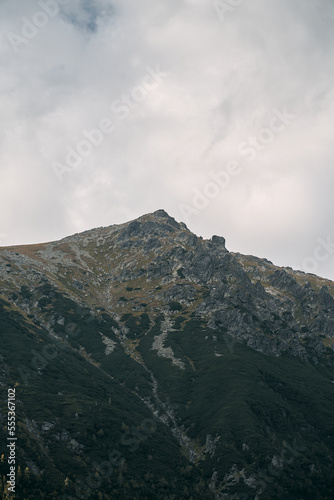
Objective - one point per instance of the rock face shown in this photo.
(229, 358)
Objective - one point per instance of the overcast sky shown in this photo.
(219, 112)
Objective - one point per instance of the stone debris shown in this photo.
(110, 344)
(158, 343)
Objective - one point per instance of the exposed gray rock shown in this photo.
(180, 293)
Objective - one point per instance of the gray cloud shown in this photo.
(87, 15)
(225, 79)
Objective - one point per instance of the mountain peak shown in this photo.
(161, 213)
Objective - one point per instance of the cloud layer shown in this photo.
(187, 87)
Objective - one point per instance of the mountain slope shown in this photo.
(150, 363)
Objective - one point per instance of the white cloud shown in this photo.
(225, 79)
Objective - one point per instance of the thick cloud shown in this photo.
(250, 84)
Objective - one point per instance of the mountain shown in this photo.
(149, 363)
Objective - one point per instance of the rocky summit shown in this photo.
(149, 363)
